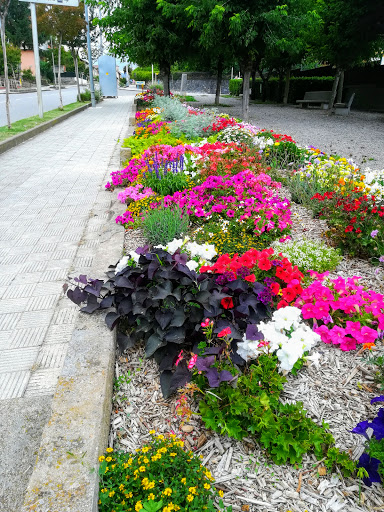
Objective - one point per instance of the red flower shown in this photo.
(264, 264)
(227, 302)
(251, 278)
(348, 229)
(289, 294)
(282, 304)
(275, 287)
(224, 332)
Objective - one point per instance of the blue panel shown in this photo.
(107, 75)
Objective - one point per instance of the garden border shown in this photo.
(32, 132)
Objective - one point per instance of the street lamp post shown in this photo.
(91, 82)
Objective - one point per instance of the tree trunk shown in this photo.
(339, 98)
(286, 87)
(59, 74)
(246, 79)
(218, 82)
(76, 63)
(165, 70)
(334, 90)
(253, 78)
(4, 47)
(53, 64)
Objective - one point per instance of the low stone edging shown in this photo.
(28, 134)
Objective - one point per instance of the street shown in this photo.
(25, 104)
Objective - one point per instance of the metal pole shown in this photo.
(37, 59)
(152, 74)
(91, 83)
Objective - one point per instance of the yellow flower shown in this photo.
(138, 506)
(146, 449)
(111, 494)
(192, 490)
(207, 486)
(108, 459)
(221, 494)
(109, 450)
(101, 458)
(121, 487)
(142, 469)
(146, 460)
(167, 491)
(129, 495)
(151, 496)
(160, 437)
(184, 481)
(190, 497)
(104, 490)
(173, 454)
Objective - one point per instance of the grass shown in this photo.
(210, 105)
(30, 122)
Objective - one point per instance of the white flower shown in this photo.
(249, 350)
(122, 264)
(134, 256)
(286, 317)
(192, 264)
(289, 353)
(271, 334)
(174, 245)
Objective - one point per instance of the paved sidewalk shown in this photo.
(51, 190)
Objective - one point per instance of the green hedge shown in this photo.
(298, 87)
(141, 74)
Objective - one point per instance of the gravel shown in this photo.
(358, 136)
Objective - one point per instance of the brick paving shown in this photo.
(51, 190)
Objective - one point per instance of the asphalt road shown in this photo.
(25, 105)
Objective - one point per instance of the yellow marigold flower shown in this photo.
(207, 486)
(109, 450)
(190, 497)
(108, 459)
(113, 466)
(138, 506)
(167, 491)
(151, 496)
(160, 437)
(173, 454)
(146, 460)
(104, 490)
(111, 494)
(106, 469)
(129, 495)
(192, 490)
(184, 481)
(101, 458)
(121, 487)
(146, 449)
(142, 469)
(221, 494)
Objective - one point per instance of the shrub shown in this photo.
(86, 95)
(235, 87)
(162, 225)
(28, 76)
(159, 476)
(309, 255)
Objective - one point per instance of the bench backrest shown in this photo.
(318, 95)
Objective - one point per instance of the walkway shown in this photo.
(51, 191)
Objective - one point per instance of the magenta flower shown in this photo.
(366, 335)
(323, 331)
(353, 328)
(192, 361)
(337, 335)
(230, 213)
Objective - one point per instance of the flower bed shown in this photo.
(229, 331)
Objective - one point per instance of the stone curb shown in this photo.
(65, 476)
(22, 137)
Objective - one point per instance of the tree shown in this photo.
(207, 22)
(138, 30)
(353, 33)
(65, 23)
(4, 6)
(13, 58)
(18, 25)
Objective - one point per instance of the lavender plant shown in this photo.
(165, 177)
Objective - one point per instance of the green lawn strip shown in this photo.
(30, 122)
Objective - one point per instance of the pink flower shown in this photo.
(224, 332)
(353, 328)
(337, 335)
(179, 357)
(205, 323)
(366, 335)
(323, 331)
(308, 311)
(348, 344)
(192, 361)
(230, 213)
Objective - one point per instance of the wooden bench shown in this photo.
(343, 109)
(316, 98)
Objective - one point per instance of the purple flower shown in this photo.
(377, 399)
(371, 465)
(381, 259)
(374, 233)
(378, 425)
(230, 276)
(361, 429)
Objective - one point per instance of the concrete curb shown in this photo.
(22, 137)
(65, 476)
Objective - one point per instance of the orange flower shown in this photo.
(368, 346)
